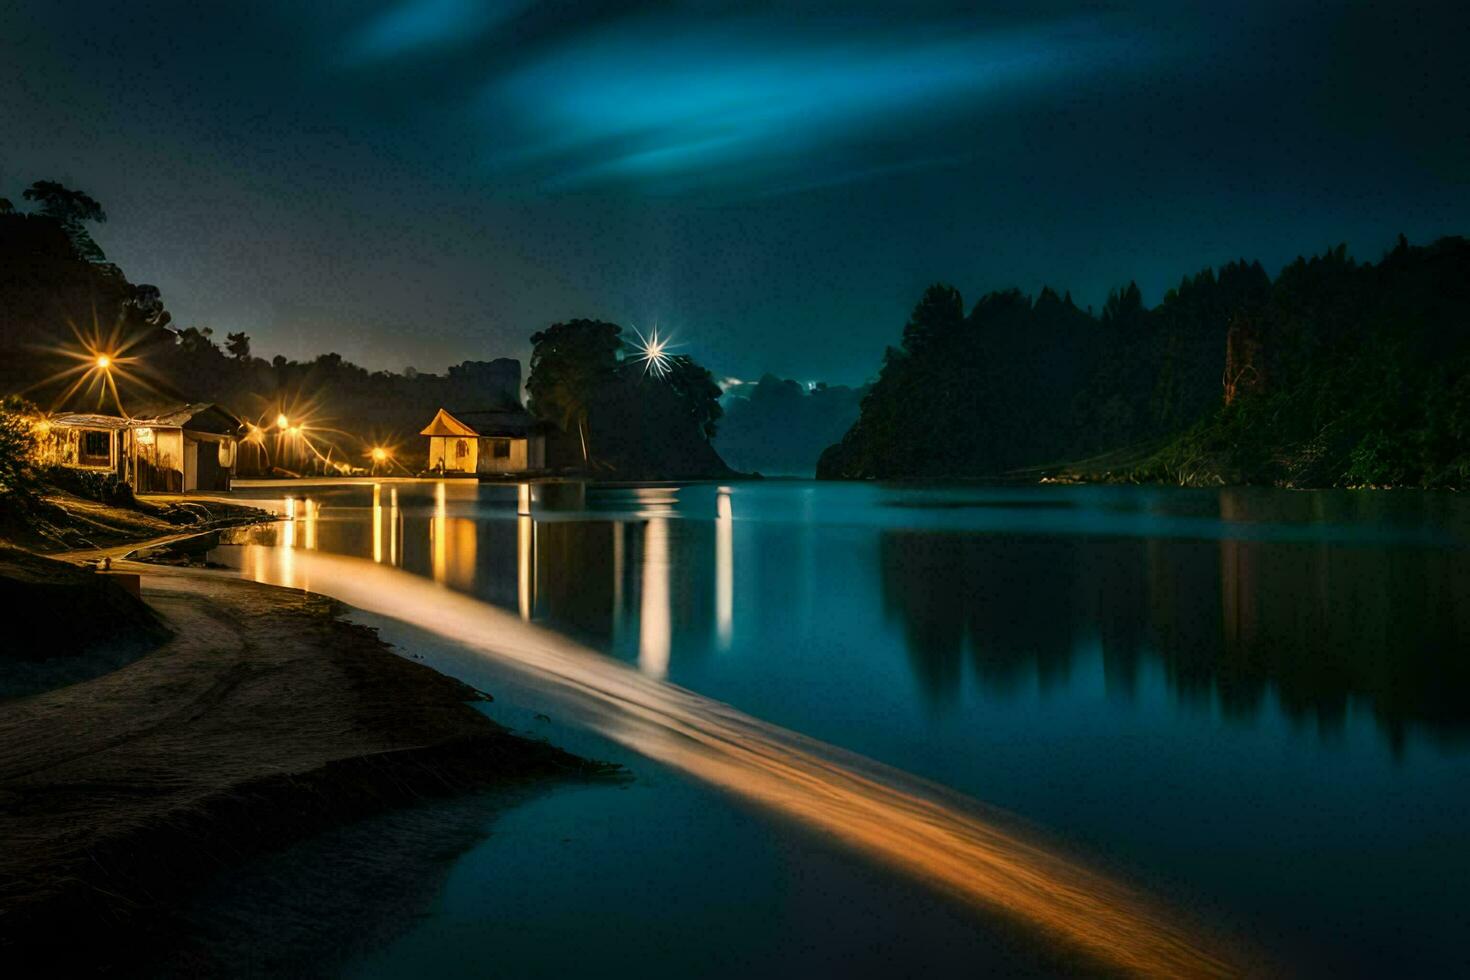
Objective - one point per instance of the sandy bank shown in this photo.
(57, 521)
(264, 719)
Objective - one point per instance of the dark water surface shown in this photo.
(1253, 705)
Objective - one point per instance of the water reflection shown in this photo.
(1069, 655)
(526, 566)
(724, 568)
(1273, 613)
(1230, 620)
(977, 854)
(655, 630)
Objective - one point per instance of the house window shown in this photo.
(461, 449)
(95, 448)
(500, 449)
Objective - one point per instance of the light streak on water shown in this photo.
(927, 831)
(377, 523)
(526, 566)
(655, 619)
(724, 568)
(310, 510)
(437, 535)
(393, 519)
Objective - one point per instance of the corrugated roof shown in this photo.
(185, 416)
(83, 420)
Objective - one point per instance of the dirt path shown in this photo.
(263, 720)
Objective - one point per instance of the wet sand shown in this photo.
(264, 720)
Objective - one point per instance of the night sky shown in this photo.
(417, 182)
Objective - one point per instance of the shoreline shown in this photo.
(265, 720)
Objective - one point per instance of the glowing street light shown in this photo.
(282, 422)
(653, 352)
(104, 361)
(380, 455)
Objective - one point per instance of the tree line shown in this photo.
(60, 295)
(1334, 373)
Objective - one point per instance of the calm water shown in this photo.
(1252, 706)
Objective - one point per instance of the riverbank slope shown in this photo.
(264, 720)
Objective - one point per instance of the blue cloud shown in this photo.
(415, 25)
(684, 106)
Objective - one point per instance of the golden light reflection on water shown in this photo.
(950, 841)
(655, 625)
(310, 511)
(438, 545)
(526, 566)
(619, 531)
(377, 523)
(393, 520)
(287, 550)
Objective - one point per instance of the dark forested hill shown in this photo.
(1335, 373)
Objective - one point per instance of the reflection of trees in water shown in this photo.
(1228, 619)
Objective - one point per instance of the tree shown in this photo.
(5, 206)
(696, 392)
(939, 314)
(569, 363)
(194, 340)
(69, 209)
(146, 304)
(238, 344)
(17, 443)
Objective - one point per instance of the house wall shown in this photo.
(63, 446)
(158, 467)
(212, 460)
(444, 452)
(514, 463)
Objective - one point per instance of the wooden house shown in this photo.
(189, 448)
(496, 442)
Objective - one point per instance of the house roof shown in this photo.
(445, 424)
(85, 420)
(196, 417)
(505, 422)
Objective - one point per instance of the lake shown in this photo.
(1245, 713)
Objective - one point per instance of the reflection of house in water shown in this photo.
(499, 441)
(190, 448)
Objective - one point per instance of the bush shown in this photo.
(17, 447)
(105, 488)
